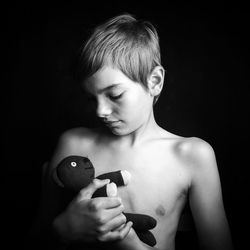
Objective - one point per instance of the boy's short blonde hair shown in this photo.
(125, 43)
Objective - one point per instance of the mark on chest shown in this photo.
(160, 210)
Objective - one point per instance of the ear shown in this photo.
(156, 80)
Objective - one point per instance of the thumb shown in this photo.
(87, 192)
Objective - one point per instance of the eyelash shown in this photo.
(115, 97)
(111, 97)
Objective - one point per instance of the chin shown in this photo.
(122, 131)
(119, 131)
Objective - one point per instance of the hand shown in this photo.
(89, 219)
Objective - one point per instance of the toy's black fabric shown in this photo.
(115, 177)
(76, 172)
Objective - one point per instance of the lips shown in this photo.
(111, 123)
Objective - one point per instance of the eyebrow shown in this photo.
(109, 87)
(114, 85)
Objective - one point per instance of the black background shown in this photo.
(205, 50)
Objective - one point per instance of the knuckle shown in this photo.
(120, 236)
(93, 205)
(100, 219)
(95, 183)
(81, 195)
(84, 192)
(101, 230)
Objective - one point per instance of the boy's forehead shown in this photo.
(105, 78)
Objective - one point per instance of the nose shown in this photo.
(103, 109)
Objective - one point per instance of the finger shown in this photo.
(116, 235)
(114, 212)
(108, 202)
(111, 189)
(86, 193)
(107, 205)
(124, 232)
(117, 223)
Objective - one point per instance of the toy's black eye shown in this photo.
(73, 164)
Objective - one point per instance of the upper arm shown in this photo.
(67, 144)
(52, 199)
(205, 197)
(50, 192)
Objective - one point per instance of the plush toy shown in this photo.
(77, 172)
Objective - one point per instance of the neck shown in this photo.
(146, 131)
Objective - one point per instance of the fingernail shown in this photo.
(111, 189)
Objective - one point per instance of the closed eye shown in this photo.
(115, 97)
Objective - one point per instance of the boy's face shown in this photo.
(123, 105)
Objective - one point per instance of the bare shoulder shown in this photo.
(197, 159)
(75, 135)
(194, 148)
(195, 152)
(73, 142)
(191, 151)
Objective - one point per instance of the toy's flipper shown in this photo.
(117, 178)
(147, 237)
(75, 172)
(120, 178)
(141, 222)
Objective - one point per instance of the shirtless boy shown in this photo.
(122, 72)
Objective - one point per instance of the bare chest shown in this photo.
(158, 183)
